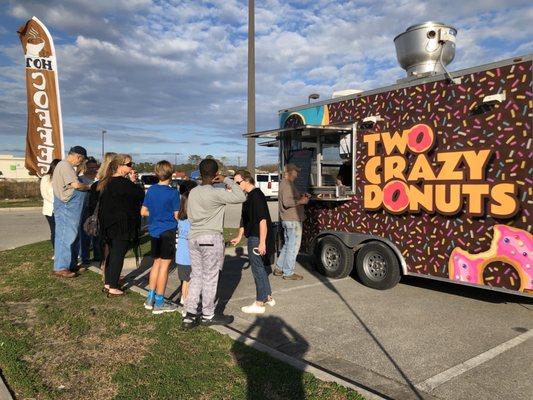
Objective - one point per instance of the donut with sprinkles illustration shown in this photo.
(507, 264)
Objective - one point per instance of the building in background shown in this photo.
(12, 167)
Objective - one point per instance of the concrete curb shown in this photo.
(5, 394)
(20, 208)
(301, 365)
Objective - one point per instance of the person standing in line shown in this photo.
(256, 225)
(292, 214)
(100, 249)
(161, 206)
(47, 193)
(183, 258)
(89, 174)
(205, 209)
(119, 217)
(68, 203)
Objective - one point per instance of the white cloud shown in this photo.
(180, 66)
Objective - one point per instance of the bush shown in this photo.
(19, 190)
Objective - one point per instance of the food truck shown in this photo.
(431, 176)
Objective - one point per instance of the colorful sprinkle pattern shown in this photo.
(427, 241)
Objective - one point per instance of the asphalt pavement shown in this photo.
(22, 226)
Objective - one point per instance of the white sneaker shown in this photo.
(253, 309)
(271, 302)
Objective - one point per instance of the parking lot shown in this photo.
(420, 340)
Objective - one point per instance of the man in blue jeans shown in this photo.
(292, 214)
(69, 198)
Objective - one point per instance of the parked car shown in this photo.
(176, 183)
(148, 180)
(268, 183)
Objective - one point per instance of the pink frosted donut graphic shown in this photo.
(395, 196)
(507, 264)
(420, 138)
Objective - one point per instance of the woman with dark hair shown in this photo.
(47, 193)
(118, 216)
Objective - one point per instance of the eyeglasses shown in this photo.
(238, 183)
(130, 164)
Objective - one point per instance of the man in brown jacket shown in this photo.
(292, 214)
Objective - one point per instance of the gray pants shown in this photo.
(207, 259)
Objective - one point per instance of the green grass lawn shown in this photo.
(63, 339)
(32, 202)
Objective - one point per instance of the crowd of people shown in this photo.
(100, 206)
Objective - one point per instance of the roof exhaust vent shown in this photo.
(425, 49)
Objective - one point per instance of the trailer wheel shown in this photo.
(377, 266)
(334, 258)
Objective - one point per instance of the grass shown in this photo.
(62, 339)
(31, 202)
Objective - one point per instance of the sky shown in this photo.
(167, 77)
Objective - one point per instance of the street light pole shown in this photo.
(251, 87)
(103, 133)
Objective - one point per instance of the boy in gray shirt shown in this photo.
(205, 210)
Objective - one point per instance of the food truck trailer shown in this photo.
(430, 177)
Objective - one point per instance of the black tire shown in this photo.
(334, 259)
(377, 266)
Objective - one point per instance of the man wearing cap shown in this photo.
(292, 214)
(68, 205)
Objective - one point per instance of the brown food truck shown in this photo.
(431, 176)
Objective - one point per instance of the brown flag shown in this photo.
(44, 138)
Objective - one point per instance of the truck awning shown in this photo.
(269, 143)
(274, 133)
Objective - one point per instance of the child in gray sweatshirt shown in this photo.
(205, 210)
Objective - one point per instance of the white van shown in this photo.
(268, 183)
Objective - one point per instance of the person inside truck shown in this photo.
(344, 176)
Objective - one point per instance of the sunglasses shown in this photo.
(238, 183)
(130, 164)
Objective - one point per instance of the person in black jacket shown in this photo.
(100, 248)
(118, 216)
(256, 225)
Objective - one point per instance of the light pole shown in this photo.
(251, 87)
(103, 133)
(312, 96)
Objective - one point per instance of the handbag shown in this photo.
(91, 226)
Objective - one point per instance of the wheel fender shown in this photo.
(355, 241)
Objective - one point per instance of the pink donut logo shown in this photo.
(420, 138)
(395, 196)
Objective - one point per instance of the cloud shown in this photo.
(163, 73)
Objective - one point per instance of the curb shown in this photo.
(5, 394)
(301, 365)
(20, 209)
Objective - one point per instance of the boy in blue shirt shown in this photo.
(161, 206)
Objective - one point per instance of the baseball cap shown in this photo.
(292, 167)
(78, 150)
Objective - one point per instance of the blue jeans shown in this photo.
(85, 240)
(292, 233)
(67, 217)
(257, 263)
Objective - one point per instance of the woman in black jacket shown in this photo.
(119, 217)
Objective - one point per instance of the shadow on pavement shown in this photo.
(285, 382)
(490, 296)
(307, 262)
(229, 278)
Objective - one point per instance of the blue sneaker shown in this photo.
(149, 302)
(164, 308)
